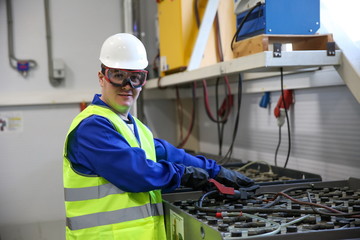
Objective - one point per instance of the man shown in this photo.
(114, 169)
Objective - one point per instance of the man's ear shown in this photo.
(101, 78)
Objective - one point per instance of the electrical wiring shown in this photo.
(254, 210)
(192, 121)
(277, 199)
(258, 4)
(155, 66)
(278, 146)
(263, 209)
(345, 226)
(228, 94)
(179, 109)
(199, 206)
(236, 212)
(228, 99)
(252, 163)
(220, 126)
(275, 225)
(272, 224)
(227, 156)
(342, 214)
(287, 117)
(207, 105)
(200, 202)
(334, 212)
(329, 208)
(196, 11)
(307, 203)
(158, 83)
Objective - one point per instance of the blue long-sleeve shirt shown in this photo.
(96, 148)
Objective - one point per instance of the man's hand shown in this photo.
(233, 179)
(196, 178)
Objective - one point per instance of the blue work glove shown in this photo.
(233, 179)
(196, 178)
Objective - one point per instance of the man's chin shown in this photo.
(123, 109)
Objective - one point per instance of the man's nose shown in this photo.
(127, 84)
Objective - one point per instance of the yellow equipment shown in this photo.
(178, 31)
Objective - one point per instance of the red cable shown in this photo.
(227, 99)
(180, 112)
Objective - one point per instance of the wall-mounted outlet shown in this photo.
(59, 69)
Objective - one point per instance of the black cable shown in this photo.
(227, 156)
(258, 4)
(278, 146)
(218, 123)
(287, 122)
(200, 202)
(287, 117)
(196, 10)
(353, 214)
(199, 206)
(288, 190)
(221, 123)
(251, 210)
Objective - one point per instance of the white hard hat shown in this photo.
(123, 50)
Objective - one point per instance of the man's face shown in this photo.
(119, 98)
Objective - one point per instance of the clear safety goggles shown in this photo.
(121, 77)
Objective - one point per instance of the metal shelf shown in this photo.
(259, 62)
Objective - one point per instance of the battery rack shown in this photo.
(264, 173)
(321, 210)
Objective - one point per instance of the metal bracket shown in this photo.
(330, 46)
(277, 50)
(203, 35)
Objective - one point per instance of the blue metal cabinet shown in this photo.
(281, 17)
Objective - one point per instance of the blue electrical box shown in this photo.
(280, 17)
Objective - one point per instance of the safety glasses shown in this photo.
(121, 77)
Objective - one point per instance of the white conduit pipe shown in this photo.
(54, 81)
(12, 58)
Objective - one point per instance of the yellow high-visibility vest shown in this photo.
(96, 209)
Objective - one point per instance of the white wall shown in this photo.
(324, 126)
(325, 132)
(78, 30)
(31, 199)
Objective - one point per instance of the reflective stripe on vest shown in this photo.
(86, 193)
(118, 216)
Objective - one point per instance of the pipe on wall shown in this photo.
(20, 65)
(131, 24)
(54, 81)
